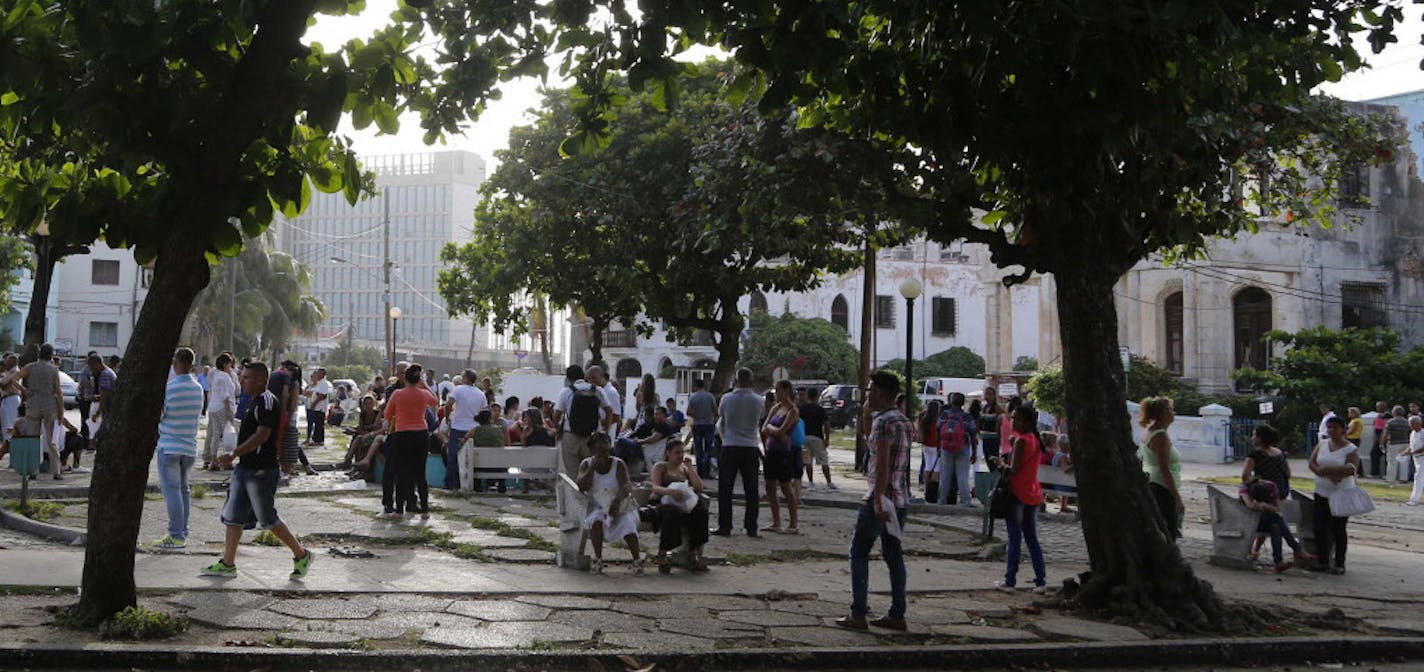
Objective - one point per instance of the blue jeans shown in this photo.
(867, 529)
(1023, 527)
(452, 458)
(956, 465)
(702, 438)
(173, 482)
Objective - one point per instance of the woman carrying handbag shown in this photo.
(1335, 463)
(1023, 497)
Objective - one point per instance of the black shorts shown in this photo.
(781, 466)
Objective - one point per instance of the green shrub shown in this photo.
(139, 623)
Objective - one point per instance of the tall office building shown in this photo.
(425, 201)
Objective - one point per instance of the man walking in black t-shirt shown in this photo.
(252, 493)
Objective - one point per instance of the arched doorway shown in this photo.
(1251, 321)
(1174, 340)
(840, 313)
(628, 368)
(758, 303)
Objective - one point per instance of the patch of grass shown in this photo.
(503, 529)
(36, 509)
(362, 645)
(139, 623)
(1377, 489)
(198, 490)
(266, 538)
(7, 591)
(153, 497)
(471, 552)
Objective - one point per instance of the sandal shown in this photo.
(697, 565)
(664, 567)
(596, 567)
(790, 530)
(638, 567)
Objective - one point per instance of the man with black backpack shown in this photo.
(578, 415)
(957, 438)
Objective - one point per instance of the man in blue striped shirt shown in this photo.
(178, 446)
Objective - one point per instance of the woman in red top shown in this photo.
(408, 441)
(1022, 520)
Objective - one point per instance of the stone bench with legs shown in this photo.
(1234, 526)
(573, 539)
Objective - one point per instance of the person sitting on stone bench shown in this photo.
(605, 479)
(1260, 495)
(682, 509)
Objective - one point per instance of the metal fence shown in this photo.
(1238, 436)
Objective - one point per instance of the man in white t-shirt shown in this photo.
(464, 403)
(613, 419)
(1326, 412)
(318, 399)
(444, 389)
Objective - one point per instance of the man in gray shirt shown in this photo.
(739, 422)
(702, 411)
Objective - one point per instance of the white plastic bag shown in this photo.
(1351, 500)
(689, 499)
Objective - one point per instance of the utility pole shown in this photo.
(386, 314)
(867, 331)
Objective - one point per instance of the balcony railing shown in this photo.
(620, 339)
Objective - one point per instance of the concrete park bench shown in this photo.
(1233, 526)
(1053, 480)
(490, 463)
(573, 539)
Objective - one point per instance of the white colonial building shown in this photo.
(964, 303)
(1204, 319)
(98, 296)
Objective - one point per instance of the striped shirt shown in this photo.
(182, 406)
(896, 430)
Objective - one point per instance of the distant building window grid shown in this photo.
(1355, 186)
(944, 317)
(103, 334)
(1362, 305)
(884, 312)
(104, 272)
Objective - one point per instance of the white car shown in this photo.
(69, 389)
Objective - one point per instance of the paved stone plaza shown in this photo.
(479, 575)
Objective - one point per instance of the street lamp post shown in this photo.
(910, 289)
(395, 315)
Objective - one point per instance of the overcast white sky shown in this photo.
(1396, 70)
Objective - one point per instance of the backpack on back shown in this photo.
(953, 433)
(584, 410)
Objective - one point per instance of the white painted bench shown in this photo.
(496, 463)
(1055, 481)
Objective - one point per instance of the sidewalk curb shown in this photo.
(36, 528)
(1061, 655)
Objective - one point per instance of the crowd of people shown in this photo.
(778, 437)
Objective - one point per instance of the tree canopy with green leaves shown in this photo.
(954, 362)
(808, 348)
(14, 257)
(1351, 367)
(202, 120)
(1091, 134)
(681, 215)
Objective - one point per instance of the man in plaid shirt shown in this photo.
(888, 476)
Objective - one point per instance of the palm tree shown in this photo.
(271, 303)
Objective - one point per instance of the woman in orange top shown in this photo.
(1023, 483)
(408, 441)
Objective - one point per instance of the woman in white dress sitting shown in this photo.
(605, 479)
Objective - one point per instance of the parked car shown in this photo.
(842, 405)
(69, 389)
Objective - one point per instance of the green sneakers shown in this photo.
(170, 543)
(220, 568)
(301, 565)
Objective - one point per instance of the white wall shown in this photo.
(80, 302)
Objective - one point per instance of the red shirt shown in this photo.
(406, 409)
(1024, 483)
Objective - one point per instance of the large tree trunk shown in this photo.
(1136, 569)
(729, 345)
(121, 466)
(867, 343)
(595, 340)
(544, 335)
(47, 255)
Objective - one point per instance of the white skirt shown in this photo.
(614, 527)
